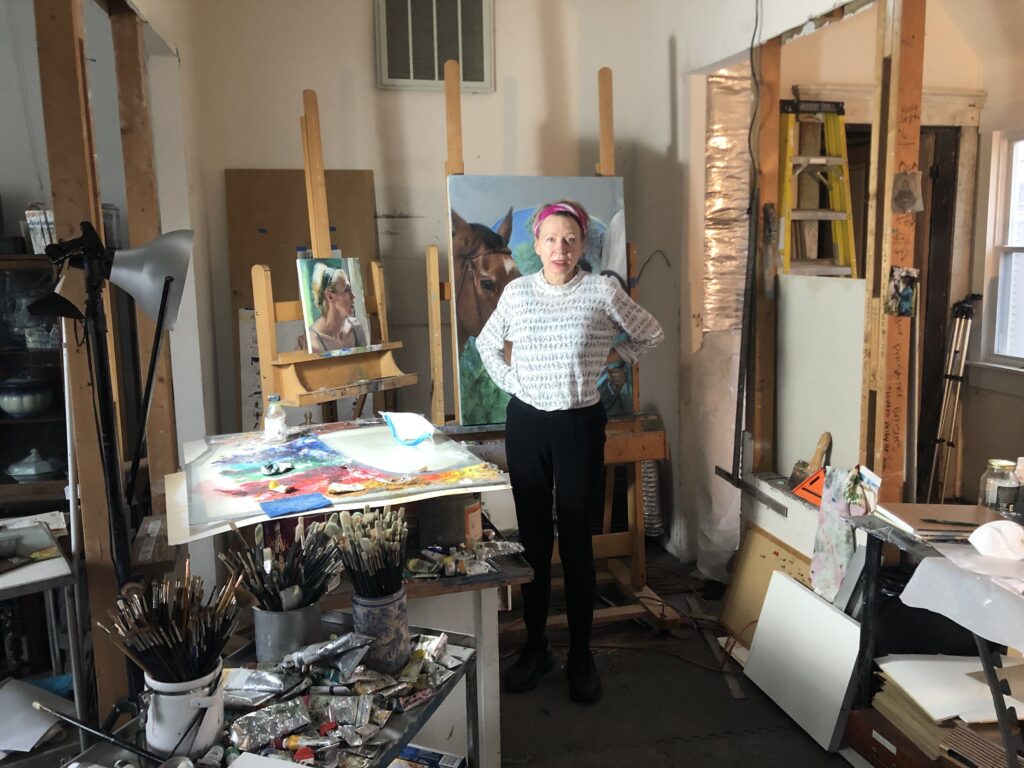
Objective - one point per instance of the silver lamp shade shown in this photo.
(141, 272)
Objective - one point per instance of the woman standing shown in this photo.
(562, 323)
(337, 327)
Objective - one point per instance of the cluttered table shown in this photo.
(370, 743)
(980, 593)
(235, 481)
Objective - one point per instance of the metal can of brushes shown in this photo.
(386, 619)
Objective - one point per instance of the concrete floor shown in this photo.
(657, 710)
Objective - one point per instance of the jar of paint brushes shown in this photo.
(373, 547)
(285, 597)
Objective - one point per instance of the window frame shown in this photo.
(391, 84)
(997, 246)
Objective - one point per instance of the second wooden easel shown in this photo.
(629, 441)
(302, 378)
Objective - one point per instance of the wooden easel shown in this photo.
(629, 441)
(301, 378)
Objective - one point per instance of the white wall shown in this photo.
(24, 171)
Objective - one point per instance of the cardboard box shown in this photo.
(421, 757)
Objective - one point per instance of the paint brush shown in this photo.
(144, 753)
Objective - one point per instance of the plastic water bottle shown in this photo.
(275, 430)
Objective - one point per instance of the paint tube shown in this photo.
(425, 648)
(435, 674)
(357, 736)
(261, 727)
(237, 679)
(417, 566)
(212, 758)
(330, 690)
(246, 699)
(374, 684)
(325, 650)
(485, 550)
(348, 661)
(297, 741)
(435, 557)
(398, 689)
(478, 567)
(405, 703)
(343, 710)
(454, 656)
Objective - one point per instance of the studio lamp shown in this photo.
(154, 276)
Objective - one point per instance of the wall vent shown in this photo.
(416, 37)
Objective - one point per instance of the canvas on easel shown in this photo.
(492, 244)
(333, 308)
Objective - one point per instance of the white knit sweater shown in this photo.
(561, 336)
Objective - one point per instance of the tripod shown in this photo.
(953, 378)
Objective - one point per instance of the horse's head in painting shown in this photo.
(483, 267)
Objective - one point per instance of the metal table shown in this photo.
(401, 728)
(48, 577)
(880, 532)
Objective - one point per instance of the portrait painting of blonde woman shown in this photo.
(331, 291)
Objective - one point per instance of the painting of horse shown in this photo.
(483, 266)
(491, 226)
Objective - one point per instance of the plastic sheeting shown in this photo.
(972, 600)
(717, 503)
(726, 197)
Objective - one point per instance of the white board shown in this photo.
(803, 657)
(944, 686)
(819, 367)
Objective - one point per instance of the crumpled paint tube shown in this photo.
(327, 649)
(348, 661)
(241, 679)
(343, 710)
(252, 731)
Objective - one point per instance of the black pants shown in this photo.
(557, 456)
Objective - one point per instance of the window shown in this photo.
(1009, 340)
(416, 37)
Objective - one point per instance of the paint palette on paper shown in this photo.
(362, 461)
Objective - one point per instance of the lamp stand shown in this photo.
(140, 428)
(103, 396)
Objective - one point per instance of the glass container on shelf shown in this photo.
(997, 488)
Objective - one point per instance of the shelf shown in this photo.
(49, 352)
(25, 262)
(51, 417)
(13, 492)
(290, 358)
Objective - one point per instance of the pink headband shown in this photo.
(561, 208)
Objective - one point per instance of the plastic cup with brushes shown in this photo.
(284, 588)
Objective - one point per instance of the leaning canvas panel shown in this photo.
(333, 307)
(803, 656)
(492, 244)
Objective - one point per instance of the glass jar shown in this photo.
(275, 429)
(997, 488)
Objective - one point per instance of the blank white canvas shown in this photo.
(803, 656)
(819, 367)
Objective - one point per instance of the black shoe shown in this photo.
(584, 683)
(524, 675)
